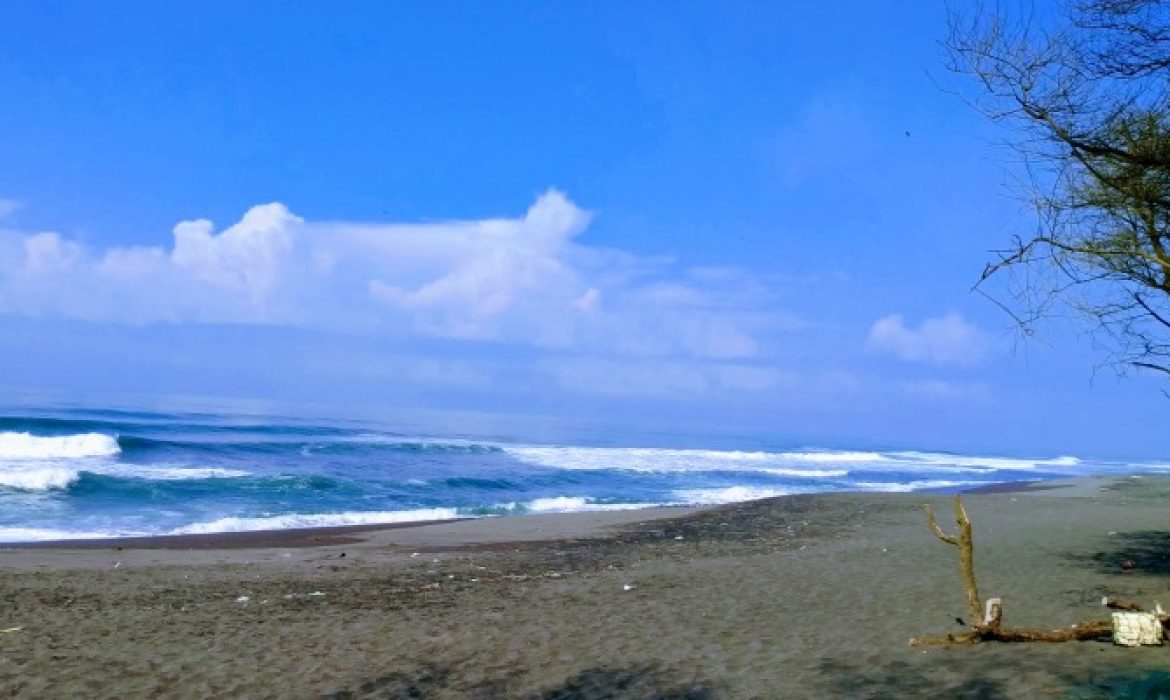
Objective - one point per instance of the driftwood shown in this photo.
(987, 621)
(966, 553)
(1121, 604)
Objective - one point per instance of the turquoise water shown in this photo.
(92, 472)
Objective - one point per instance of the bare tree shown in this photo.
(1086, 93)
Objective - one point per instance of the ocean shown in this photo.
(84, 472)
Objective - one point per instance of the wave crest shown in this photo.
(39, 478)
(730, 494)
(15, 445)
(647, 459)
(294, 521)
(578, 504)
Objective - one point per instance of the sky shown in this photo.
(744, 218)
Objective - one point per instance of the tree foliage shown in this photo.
(1087, 94)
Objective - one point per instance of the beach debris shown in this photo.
(628, 587)
(1122, 604)
(10, 630)
(243, 599)
(118, 565)
(413, 555)
(316, 594)
(1131, 629)
(1129, 565)
(991, 629)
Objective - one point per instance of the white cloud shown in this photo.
(525, 279)
(45, 253)
(945, 340)
(490, 267)
(247, 257)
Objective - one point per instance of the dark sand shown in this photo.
(808, 596)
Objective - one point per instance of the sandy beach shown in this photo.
(792, 597)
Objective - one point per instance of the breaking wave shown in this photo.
(646, 459)
(731, 494)
(44, 476)
(37, 478)
(305, 520)
(27, 446)
(578, 504)
(39, 534)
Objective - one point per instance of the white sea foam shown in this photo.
(832, 457)
(905, 487)
(34, 534)
(731, 494)
(38, 463)
(646, 459)
(45, 475)
(793, 463)
(169, 473)
(36, 477)
(805, 473)
(938, 460)
(27, 446)
(302, 520)
(579, 504)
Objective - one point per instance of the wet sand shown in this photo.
(804, 596)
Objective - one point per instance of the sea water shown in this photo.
(85, 472)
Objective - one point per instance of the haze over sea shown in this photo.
(88, 471)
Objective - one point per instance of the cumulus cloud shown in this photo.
(486, 268)
(247, 257)
(945, 340)
(525, 279)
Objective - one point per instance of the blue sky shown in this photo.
(733, 217)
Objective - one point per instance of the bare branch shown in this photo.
(1088, 97)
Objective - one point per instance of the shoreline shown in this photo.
(321, 536)
(295, 538)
